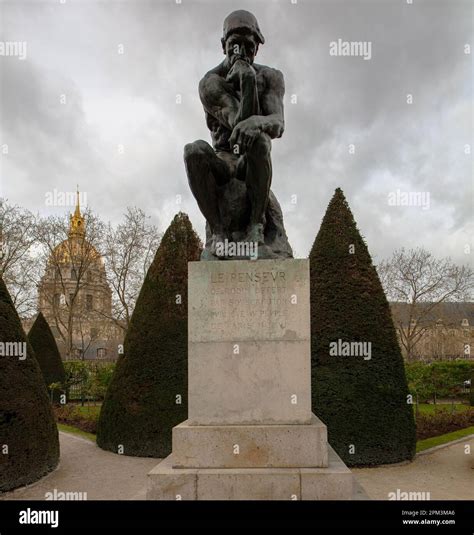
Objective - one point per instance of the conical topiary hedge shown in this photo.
(47, 354)
(29, 445)
(147, 396)
(363, 401)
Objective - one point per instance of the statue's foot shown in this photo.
(217, 245)
(255, 234)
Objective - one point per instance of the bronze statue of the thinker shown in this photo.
(243, 104)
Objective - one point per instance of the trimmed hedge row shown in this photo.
(433, 425)
(71, 414)
(87, 380)
(442, 379)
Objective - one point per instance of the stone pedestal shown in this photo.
(250, 433)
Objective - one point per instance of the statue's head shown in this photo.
(241, 36)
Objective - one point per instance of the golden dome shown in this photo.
(71, 250)
(76, 246)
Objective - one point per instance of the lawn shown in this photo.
(88, 411)
(76, 431)
(443, 439)
(84, 417)
(429, 408)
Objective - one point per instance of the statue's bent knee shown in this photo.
(196, 149)
(262, 144)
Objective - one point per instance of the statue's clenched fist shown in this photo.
(239, 71)
(245, 133)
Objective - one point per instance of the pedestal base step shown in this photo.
(332, 483)
(250, 446)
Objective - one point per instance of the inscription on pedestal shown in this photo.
(245, 300)
(249, 342)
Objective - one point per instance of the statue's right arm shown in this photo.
(219, 99)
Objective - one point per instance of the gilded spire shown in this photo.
(77, 211)
(76, 224)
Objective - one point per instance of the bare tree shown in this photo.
(36, 252)
(17, 264)
(21, 279)
(129, 250)
(423, 282)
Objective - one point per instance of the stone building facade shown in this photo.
(76, 300)
(447, 330)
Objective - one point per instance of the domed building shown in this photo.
(76, 299)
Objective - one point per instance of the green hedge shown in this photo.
(27, 425)
(46, 351)
(442, 379)
(442, 422)
(87, 380)
(148, 393)
(362, 402)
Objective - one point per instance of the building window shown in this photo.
(94, 332)
(56, 300)
(101, 352)
(73, 275)
(89, 276)
(89, 302)
(71, 298)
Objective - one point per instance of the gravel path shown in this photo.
(447, 473)
(84, 467)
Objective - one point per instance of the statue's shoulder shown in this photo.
(208, 77)
(273, 77)
(217, 70)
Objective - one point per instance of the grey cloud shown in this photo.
(416, 49)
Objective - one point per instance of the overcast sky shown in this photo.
(120, 134)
